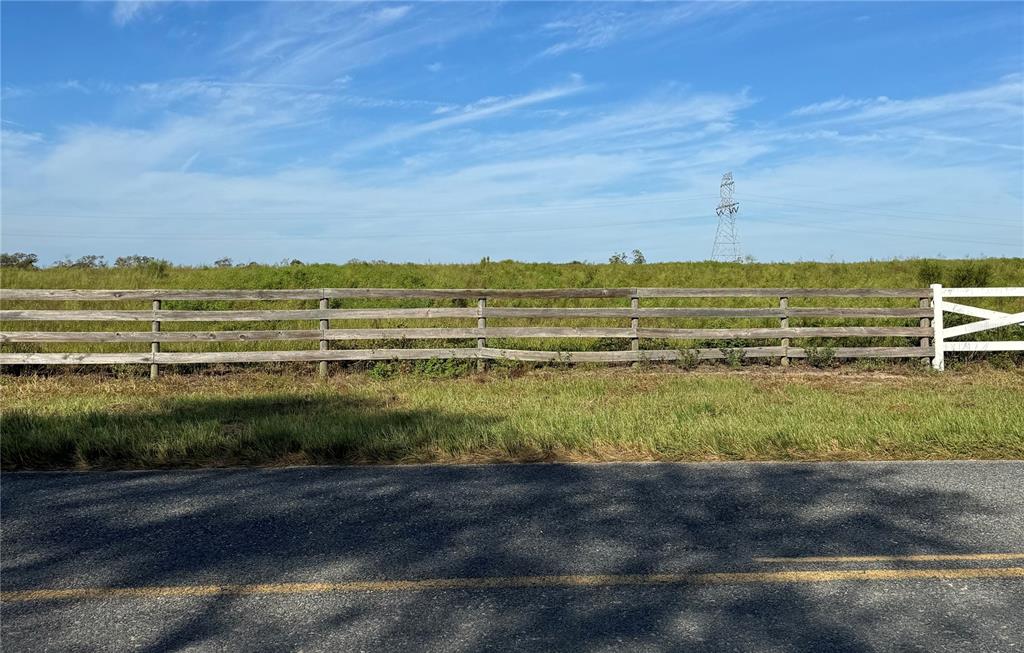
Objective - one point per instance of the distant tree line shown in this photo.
(19, 260)
(24, 261)
(622, 259)
(965, 274)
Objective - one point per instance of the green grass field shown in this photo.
(513, 274)
(282, 417)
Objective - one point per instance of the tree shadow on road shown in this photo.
(340, 524)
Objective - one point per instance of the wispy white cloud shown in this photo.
(188, 164)
(833, 105)
(663, 121)
(17, 140)
(314, 42)
(1004, 98)
(594, 28)
(476, 111)
(126, 11)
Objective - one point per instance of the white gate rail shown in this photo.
(989, 319)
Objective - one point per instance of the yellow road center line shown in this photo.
(508, 582)
(925, 557)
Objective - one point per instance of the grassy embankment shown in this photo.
(284, 415)
(270, 418)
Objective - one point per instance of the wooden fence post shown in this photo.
(481, 323)
(939, 360)
(634, 321)
(324, 325)
(784, 324)
(154, 347)
(925, 302)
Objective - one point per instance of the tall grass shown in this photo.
(514, 274)
(86, 421)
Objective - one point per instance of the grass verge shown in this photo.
(266, 418)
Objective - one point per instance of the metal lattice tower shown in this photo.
(727, 239)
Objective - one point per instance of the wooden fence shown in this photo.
(482, 312)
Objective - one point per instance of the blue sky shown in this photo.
(534, 131)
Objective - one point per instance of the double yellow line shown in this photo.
(602, 580)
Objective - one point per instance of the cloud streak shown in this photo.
(127, 11)
(835, 105)
(480, 110)
(600, 27)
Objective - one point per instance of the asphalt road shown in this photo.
(618, 557)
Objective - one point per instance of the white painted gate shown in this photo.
(989, 319)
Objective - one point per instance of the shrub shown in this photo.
(384, 370)
(733, 356)
(968, 274)
(821, 357)
(441, 368)
(155, 266)
(971, 275)
(133, 261)
(929, 272)
(607, 344)
(87, 262)
(688, 359)
(20, 260)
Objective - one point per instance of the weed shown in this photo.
(384, 370)
(563, 360)
(733, 356)
(643, 361)
(959, 274)
(971, 274)
(1005, 360)
(929, 272)
(441, 368)
(821, 357)
(508, 369)
(606, 344)
(688, 359)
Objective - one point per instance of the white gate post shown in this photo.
(939, 361)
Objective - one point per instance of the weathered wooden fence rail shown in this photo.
(928, 306)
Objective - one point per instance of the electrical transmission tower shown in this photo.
(727, 239)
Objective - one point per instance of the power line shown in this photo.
(918, 236)
(393, 215)
(888, 213)
(799, 211)
(433, 234)
(444, 234)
